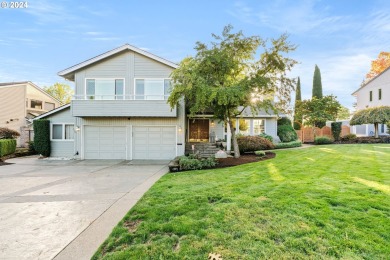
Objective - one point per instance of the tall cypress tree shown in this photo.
(317, 84)
(298, 98)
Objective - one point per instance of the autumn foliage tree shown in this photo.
(379, 65)
(226, 77)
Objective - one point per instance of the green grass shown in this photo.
(321, 202)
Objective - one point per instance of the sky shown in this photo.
(341, 37)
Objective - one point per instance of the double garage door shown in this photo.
(138, 142)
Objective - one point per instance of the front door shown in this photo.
(199, 130)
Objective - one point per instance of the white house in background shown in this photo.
(120, 111)
(20, 102)
(374, 93)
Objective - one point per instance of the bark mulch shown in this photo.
(245, 158)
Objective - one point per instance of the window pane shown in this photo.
(104, 89)
(57, 132)
(69, 132)
(380, 94)
(154, 89)
(36, 104)
(139, 89)
(90, 88)
(258, 126)
(167, 88)
(119, 88)
(370, 95)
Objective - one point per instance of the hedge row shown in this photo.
(42, 137)
(291, 144)
(7, 146)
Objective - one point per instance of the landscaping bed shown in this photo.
(244, 158)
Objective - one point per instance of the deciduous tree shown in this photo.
(317, 111)
(380, 64)
(226, 77)
(62, 92)
(343, 113)
(372, 115)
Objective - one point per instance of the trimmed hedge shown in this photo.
(291, 144)
(254, 143)
(287, 133)
(336, 130)
(322, 140)
(42, 136)
(192, 162)
(7, 146)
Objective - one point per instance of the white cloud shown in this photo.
(49, 12)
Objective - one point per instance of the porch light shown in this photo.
(179, 128)
(212, 123)
(76, 128)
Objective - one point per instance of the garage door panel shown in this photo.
(105, 142)
(156, 142)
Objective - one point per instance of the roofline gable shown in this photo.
(21, 83)
(365, 84)
(58, 109)
(64, 73)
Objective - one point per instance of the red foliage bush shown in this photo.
(254, 143)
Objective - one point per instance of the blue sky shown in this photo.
(341, 37)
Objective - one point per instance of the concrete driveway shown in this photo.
(65, 209)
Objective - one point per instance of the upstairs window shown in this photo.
(380, 94)
(107, 89)
(36, 104)
(152, 89)
(370, 95)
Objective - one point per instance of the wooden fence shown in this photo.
(307, 134)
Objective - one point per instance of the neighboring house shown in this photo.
(20, 102)
(120, 111)
(374, 93)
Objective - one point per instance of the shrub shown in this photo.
(322, 140)
(253, 143)
(291, 144)
(336, 130)
(287, 133)
(260, 153)
(6, 133)
(7, 146)
(284, 121)
(42, 136)
(209, 162)
(348, 137)
(186, 163)
(268, 137)
(192, 162)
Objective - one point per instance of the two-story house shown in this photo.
(120, 111)
(373, 93)
(21, 101)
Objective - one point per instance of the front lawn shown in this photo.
(319, 202)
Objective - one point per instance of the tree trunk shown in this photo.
(376, 130)
(235, 144)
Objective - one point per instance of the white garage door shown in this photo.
(156, 143)
(105, 142)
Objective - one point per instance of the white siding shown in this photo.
(381, 82)
(271, 127)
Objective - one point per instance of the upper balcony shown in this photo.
(122, 106)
